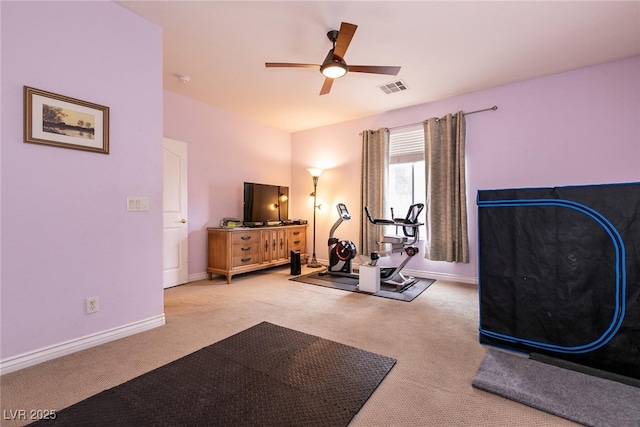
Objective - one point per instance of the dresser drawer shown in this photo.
(243, 237)
(246, 259)
(296, 240)
(245, 249)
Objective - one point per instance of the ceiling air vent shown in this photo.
(392, 87)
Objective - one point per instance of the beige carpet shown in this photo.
(434, 339)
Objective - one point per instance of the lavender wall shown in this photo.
(579, 127)
(66, 234)
(223, 151)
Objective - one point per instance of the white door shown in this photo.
(175, 234)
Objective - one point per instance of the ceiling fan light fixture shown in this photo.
(333, 69)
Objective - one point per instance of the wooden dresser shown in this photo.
(233, 251)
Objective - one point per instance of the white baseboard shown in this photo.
(430, 275)
(198, 276)
(441, 276)
(25, 360)
(407, 272)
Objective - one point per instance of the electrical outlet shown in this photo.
(92, 305)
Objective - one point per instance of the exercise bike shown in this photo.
(342, 252)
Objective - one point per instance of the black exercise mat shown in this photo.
(351, 284)
(267, 375)
(576, 396)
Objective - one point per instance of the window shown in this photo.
(407, 171)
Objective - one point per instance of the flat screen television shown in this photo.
(264, 202)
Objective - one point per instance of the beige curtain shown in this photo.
(447, 237)
(373, 187)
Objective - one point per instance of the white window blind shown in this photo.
(406, 144)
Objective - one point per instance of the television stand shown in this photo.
(239, 250)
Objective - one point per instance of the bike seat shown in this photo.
(378, 221)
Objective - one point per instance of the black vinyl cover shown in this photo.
(559, 273)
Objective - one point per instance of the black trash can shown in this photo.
(296, 268)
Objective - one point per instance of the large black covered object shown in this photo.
(559, 273)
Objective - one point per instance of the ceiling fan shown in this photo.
(333, 65)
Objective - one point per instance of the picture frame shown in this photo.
(62, 121)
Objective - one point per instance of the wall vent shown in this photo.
(393, 87)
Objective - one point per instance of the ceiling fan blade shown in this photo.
(326, 87)
(344, 39)
(374, 69)
(290, 65)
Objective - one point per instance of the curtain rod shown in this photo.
(494, 108)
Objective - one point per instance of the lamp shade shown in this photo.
(315, 172)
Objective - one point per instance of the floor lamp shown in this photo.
(315, 173)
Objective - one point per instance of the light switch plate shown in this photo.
(137, 204)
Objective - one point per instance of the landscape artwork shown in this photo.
(61, 121)
(67, 122)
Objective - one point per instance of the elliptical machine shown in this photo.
(342, 252)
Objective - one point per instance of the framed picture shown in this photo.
(58, 120)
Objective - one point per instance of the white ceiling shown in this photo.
(445, 48)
